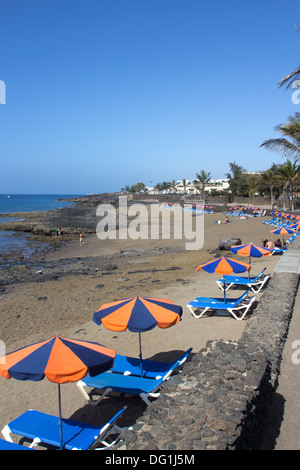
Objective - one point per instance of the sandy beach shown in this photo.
(34, 311)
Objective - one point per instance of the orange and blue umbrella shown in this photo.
(138, 314)
(251, 250)
(60, 360)
(224, 266)
(282, 231)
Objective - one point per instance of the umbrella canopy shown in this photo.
(59, 359)
(251, 250)
(138, 314)
(282, 231)
(224, 266)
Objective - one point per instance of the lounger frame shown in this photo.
(108, 382)
(255, 284)
(238, 308)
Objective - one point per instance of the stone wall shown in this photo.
(221, 399)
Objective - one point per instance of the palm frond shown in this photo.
(289, 79)
(283, 146)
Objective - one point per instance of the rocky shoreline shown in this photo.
(41, 227)
(81, 216)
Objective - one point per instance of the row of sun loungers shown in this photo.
(237, 307)
(128, 375)
(124, 377)
(195, 208)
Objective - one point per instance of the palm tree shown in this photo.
(237, 179)
(251, 185)
(270, 179)
(289, 174)
(289, 79)
(173, 186)
(288, 148)
(202, 179)
(158, 187)
(184, 184)
(165, 185)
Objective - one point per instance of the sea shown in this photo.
(10, 203)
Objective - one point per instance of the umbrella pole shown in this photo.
(224, 289)
(141, 360)
(60, 421)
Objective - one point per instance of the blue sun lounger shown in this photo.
(238, 308)
(111, 382)
(151, 369)
(279, 251)
(255, 283)
(44, 428)
(6, 445)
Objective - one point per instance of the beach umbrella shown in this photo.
(60, 360)
(138, 314)
(282, 231)
(224, 266)
(251, 251)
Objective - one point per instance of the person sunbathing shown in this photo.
(270, 245)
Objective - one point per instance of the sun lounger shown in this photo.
(151, 369)
(238, 308)
(111, 382)
(6, 445)
(255, 283)
(279, 251)
(44, 428)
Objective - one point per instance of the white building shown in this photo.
(191, 188)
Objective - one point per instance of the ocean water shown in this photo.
(12, 242)
(33, 202)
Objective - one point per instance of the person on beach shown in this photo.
(81, 239)
(270, 245)
(277, 244)
(226, 220)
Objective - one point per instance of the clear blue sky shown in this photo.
(106, 93)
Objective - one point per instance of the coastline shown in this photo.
(58, 292)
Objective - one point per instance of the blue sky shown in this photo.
(106, 93)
